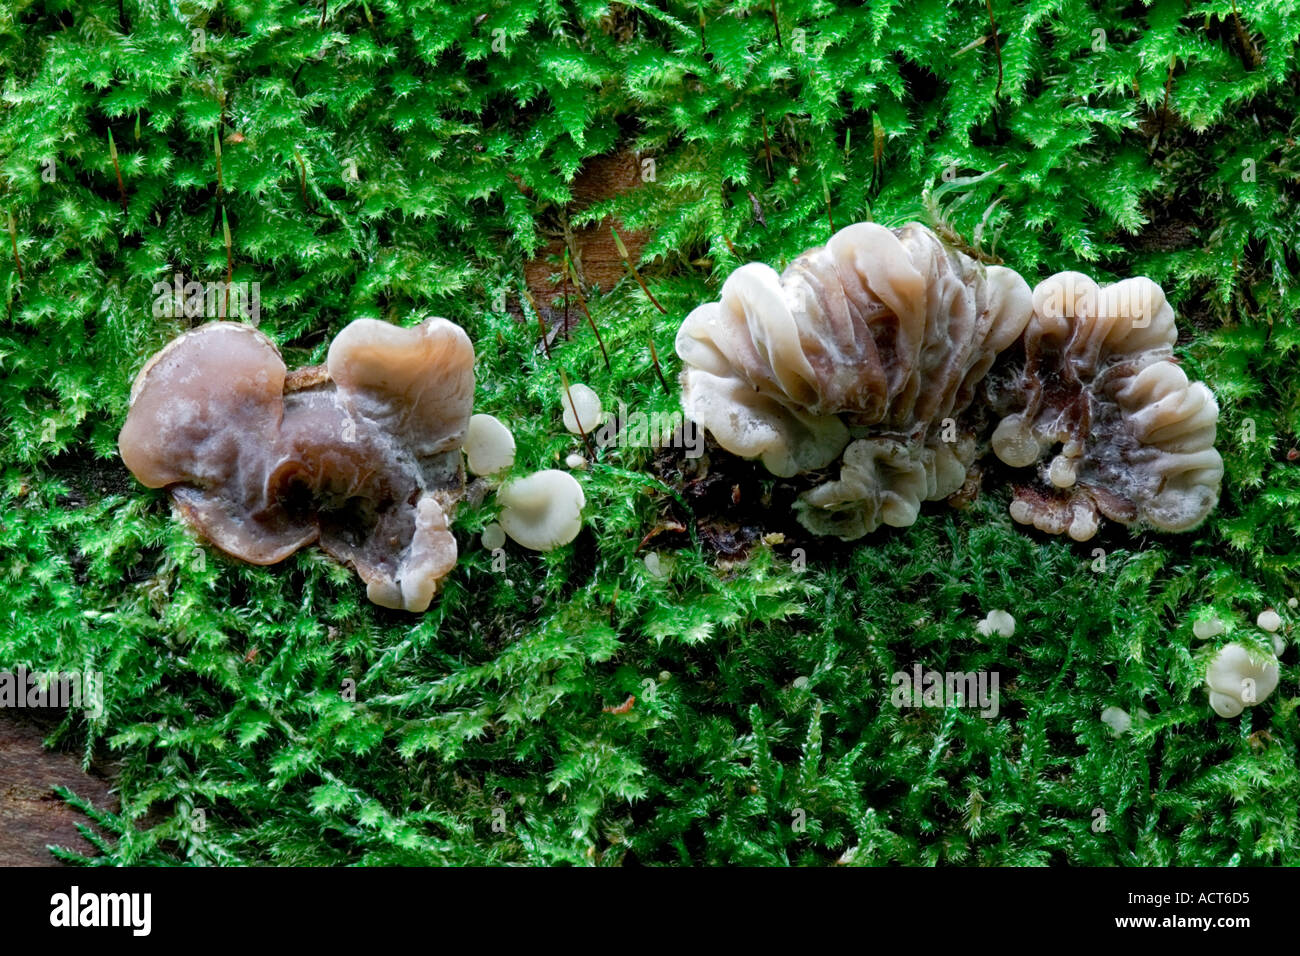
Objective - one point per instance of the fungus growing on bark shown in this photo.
(361, 453)
(1104, 412)
(869, 347)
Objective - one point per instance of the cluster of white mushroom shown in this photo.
(866, 350)
(1237, 676)
(541, 511)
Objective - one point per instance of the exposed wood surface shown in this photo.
(32, 815)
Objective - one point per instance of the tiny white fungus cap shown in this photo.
(1117, 720)
(1238, 680)
(1269, 620)
(587, 405)
(997, 622)
(542, 511)
(1209, 627)
(493, 537)
(489, 445)
(659, 568)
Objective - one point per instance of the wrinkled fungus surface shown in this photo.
(1103, 412)
(875, 350)
(361, 454)
(867, 350)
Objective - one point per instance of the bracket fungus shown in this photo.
(878, 350)
(1104, 411)
(869, 348)
(361, 454)
(1238, 679)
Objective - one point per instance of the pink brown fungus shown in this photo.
(361, 454)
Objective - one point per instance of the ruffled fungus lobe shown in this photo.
(1101, 408)
(1237, 680)
(871, 347)
(362, 453)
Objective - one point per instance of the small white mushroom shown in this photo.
(493, 537)
(1269, 620)
(584, 409)
(1293, 603)
(1279, 645)
(1238, 680)
(575, 462)
(659, 568)
(542, 511)
(997, 622)
(1207, 628)
(1117, 720)
(489, 446)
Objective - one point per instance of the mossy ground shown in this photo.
(394, 159)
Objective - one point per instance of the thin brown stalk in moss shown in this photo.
(1164, 107)
(216, 145)
(627, 261)
(1250, 55)
(997, 47)
(532, 303)
(112, 152)
(654, 359)
(230, 261)
(572, 274)
(777, 23)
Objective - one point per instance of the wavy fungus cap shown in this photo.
(1238, 679)
(542, 511)
(1105, 412)
(362, 454)
(875, 338)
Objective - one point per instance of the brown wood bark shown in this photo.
(32, 815)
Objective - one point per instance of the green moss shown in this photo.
(763, 730)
